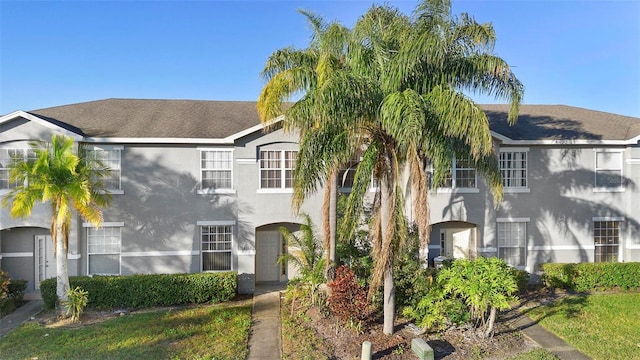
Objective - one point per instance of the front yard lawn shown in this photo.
(603, 326)
(203, 332)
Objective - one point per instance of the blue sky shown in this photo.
(579, 53)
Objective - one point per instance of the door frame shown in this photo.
(49, 258)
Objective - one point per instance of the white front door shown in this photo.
(268, 251)
(456, 243)
(45, 262)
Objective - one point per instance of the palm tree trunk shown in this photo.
(389, 301)
(389, 307)
(62, 272)
(333, 216)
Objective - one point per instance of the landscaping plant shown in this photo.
(305, 252)
(348, 300)
(78, 300)
(486, 285)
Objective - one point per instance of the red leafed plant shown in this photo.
(348, 300)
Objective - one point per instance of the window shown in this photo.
(347, 175)
(110, 158)
(512, 239)
(606, 235)
(7, 156)
(463, 175)
(513, 169)
(276, 169)
(103, 250)
(216, 247)
(216, 169)
(608, 170)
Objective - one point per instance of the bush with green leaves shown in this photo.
(139, 291)
(78, 299)
(436, 310)
(306, 253)
(11, 293)
(486, 285)
(413, 279)
(584, 277)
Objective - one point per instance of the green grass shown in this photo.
(205, 332)
(538, 354)
(603, 326)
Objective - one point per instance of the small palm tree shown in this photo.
(305, 253)
(67, 180)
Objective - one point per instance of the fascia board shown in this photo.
(22, 114)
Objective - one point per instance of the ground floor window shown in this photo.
(103, 250)
(216, 247)
(512, 239)
(606, 235)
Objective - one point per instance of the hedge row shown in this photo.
(138, 291)
(589, 276)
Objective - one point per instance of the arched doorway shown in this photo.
(270, 244)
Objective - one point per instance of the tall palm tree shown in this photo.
(67, 180)
(397, 94)
(415, 69)
(292, 71)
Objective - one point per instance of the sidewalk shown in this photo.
(33, 306)
(545, 338)
(265, 341)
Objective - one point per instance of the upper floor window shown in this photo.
(462, 175)
(7, 157)
(109, 157)
(216, 169)
(513, 169)
(608, 171)
(276, 169)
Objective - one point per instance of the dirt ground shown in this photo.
(452, 344)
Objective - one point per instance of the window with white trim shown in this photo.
(216, 169)
(608, 170)
(606, 236)
(7, 157)
(462, 175)
(110, 158)
(103, 250)
(513, 169)
(512, 241)
(276, 169)
(216, 243)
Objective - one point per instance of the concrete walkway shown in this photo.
(24, 313)
(545, 338)
(265, 338)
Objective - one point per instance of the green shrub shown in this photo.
(16, 289)
(486, 285)
(589, 276)
(522, 279)
(138, 291)
(413, 280)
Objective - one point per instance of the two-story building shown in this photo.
(200, 186)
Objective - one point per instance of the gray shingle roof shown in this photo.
(561, 122)
(136, 118)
